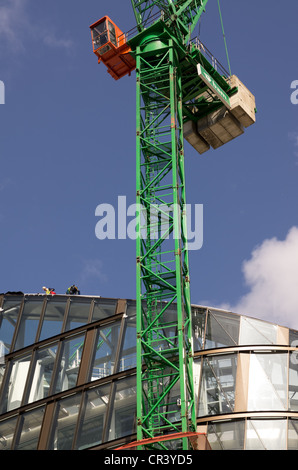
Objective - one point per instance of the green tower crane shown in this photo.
(180, 94)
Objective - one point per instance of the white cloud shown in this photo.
(92, 270)
(293, 136)
(5, 183)
(271, 275)
(16, 27)
(52, 41)
(13, 20)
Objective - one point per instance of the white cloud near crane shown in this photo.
(16, 27)
(271, 274)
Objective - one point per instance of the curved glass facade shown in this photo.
(248, 375)
(68, 377)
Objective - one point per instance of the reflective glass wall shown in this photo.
(247, 375)
(67, 371)
(67, 375)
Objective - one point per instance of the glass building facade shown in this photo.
(68, 376)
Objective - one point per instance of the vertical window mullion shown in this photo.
(1, 305)
(17, 431)
(87, 357)
(120, 343)
(3, 388)
(66, 312)
(91, 310)
(30, 376)
(111, 404)
(15, 335)
(81, 413)
(46, 426)
(55, 368)
(41, 318)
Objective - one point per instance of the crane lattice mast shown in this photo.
(180, 94)
(165, 393)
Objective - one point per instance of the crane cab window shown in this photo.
(99, 35)
(112, 33)
(103, 33)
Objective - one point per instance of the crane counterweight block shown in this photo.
(222, 125)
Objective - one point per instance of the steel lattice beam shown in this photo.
(164, 350)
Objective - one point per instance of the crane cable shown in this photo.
(224, 36)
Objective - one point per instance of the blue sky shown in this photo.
(67, 138)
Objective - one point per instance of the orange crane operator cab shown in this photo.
(110, 46)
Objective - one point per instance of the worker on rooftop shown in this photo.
(49, 290)
(73, 290)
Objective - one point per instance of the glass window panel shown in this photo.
(293, 381)
(78, 314)
(7, 428)
(53, 319)
(2, 372)
(198, 327)
(100, 35)
(293, 338)
(226, 435)
(217, 389)
(16, 383)
(293, 434)
(131, 309)
(104, 308)
(123, 413)
(112, 33)
(128, 358)
(43, 370)
(93, 417)
(29, 323)
(31, 422)
(65, 422)
(222, 330)
(262, 434)
(267, 389)
(101, 27)
(69, 362)
(257, 332)
(105, 351)
(2, 354)
(8, 319)
(197, 364)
